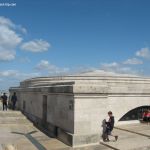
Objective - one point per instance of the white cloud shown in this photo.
(9, 39)
(6, 22)
(15, 74)
(22, 29)
(118, 68)
(133, 61)
(36, 46)
(44, 65)
(143, 52)
(8, 73)
(9, 78)
(109, 65)
(7, 55)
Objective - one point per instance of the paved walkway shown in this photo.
(17, 132)
(131, 137)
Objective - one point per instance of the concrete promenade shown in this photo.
(131, 137)
(17, 132)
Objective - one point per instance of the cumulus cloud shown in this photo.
(6, 22)
(44, 65)
(143, 52)
(36, 46)
(9, 39)
(133, 61)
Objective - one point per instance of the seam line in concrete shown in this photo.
(109, 146)
(132, 132)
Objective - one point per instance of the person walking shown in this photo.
(109, 126)
(14, 100)
(4, 101)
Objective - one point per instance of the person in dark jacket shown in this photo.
(4, 101)
(110, 126)
(14, 100)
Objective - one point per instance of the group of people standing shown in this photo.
(4, 99)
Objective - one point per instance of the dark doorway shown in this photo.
(134, 114)
(44, 119)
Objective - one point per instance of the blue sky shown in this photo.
(56, 37)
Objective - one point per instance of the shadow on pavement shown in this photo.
(32, 139)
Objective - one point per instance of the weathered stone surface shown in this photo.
(78, 104)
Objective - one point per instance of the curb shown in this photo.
(132, 132)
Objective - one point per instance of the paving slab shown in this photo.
(27, 137)
(17, 133)
(140, 128)
(128, 141)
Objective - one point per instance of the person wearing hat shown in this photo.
(109, 126)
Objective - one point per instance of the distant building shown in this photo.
(72, 108)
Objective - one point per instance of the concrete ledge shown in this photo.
(76, 140)
(65, 137)
(135, 132)
(127, 122)
(86, 139)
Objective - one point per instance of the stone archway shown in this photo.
(134, 114)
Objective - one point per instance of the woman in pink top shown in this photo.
(145, 116)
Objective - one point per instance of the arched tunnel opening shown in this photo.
(135, 114)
